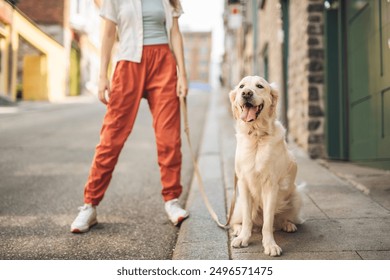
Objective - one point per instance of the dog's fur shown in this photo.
(265, 168)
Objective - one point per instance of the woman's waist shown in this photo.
(156, 46)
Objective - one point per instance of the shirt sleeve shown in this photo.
(177, 12)
(108, 10)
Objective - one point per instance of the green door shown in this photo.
(368, 32)
(335, 93)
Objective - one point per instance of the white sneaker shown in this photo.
(85, 219)
(175, 213)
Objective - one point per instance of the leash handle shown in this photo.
(183, 104)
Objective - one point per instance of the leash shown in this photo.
(183, 105)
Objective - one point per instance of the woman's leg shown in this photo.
(126, 93)
(165, 107)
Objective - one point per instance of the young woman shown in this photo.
(151, 65)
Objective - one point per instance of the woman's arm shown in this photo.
(109, 35)
(177, 47)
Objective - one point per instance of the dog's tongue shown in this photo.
(248, 114)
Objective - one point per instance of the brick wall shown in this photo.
(44, 11)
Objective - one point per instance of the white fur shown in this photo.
(265, 169)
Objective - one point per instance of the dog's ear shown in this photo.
(232, 97)
(274, 98)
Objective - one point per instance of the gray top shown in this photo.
(153, 16)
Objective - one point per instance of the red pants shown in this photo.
(154, 78)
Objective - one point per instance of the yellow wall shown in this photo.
(35, 77)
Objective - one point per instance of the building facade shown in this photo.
(75, 24)
(48, 49)
(197, 53)
(331, 60)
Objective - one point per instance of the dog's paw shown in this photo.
(239, 242)
(236, 229)
(289, 227)
(272, 250)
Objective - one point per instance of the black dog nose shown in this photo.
(247, 94)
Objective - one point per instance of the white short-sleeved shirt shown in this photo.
(127, 15)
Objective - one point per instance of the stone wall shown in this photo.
(306, 76)
(298, 73)
(315, 67)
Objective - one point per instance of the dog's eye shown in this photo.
(259, 86)
(241, 86)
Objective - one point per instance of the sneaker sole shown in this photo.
(76, 230)
(180, 220)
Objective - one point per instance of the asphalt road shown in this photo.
(45, 154)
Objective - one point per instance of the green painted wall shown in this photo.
(75, 75)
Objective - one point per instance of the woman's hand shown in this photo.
(178, 51)
(182, 86)
(108, 39)
(104, 86)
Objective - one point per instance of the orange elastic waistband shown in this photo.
(160, 46)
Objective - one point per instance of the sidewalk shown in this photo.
(28, 106)
(347, 207)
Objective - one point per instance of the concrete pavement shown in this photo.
(346, 207)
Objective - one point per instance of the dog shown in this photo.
(265, 168)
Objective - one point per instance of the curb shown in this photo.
(199, 237)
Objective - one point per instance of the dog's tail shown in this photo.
(301, 189)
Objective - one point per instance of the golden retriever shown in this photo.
(265, 168)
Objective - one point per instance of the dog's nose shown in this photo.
(247, 94)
